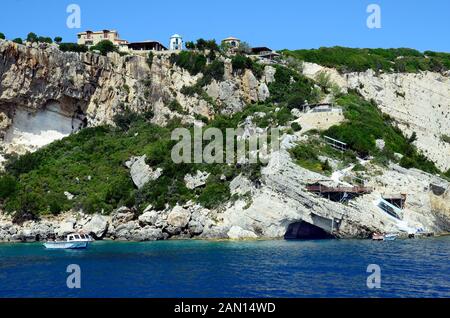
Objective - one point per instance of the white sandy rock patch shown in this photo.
(238, 233)
(197, 180)
(141, 173)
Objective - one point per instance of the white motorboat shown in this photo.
(73, 241)
(391, 237)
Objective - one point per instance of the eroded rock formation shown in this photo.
(418, 103)
(40, 85)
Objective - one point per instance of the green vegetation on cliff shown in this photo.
(387, 60)
(365, 124)
(73, 47)
(91, 166)
(104, 47)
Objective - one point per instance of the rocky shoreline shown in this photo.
(186, 222)
(123, 224)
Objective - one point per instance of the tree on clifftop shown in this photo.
(32, 37)
(45, 39)
(190, 45)
(104, 47)
(2, 36)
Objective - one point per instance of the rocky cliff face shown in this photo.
(40, 85)
(46, 94)
(419, 103)
(264, 211)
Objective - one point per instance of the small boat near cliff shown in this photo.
(377, 237)
(384, 237)
(390, 237)
(73, 241)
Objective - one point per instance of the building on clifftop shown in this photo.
(232, 43)
(146, 46)
(90, 38)
(176, 43)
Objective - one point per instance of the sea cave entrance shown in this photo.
(306, 231)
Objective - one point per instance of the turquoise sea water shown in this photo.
(331, 268)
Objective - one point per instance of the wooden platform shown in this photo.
(324, 189)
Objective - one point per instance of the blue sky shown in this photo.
(292, 24)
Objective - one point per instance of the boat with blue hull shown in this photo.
(73, 242)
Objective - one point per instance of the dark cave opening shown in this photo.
(306, 231)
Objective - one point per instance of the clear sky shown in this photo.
(293, 24)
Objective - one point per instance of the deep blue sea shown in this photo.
(331, 268)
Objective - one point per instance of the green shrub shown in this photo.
(445, 138)
(196, 63)
(26, 207)
(214, 194)
(241, 63)
(304, 152)
(193, 62)
(32, 37)
(18, 41)
(191, 90)
(296, 101)
(203, 44)
(359, 167)
(2, 36)
(447, 174)
(201, 118)
(93, 203)
(324, 81)
(326, 167)
(169, 190)
(215, 70)
(150, 59)
(104, 47)
(56, 203)
(283, 116)
(18, 165)
(43, 39)
(244, 48)
(73, 47)
(8, 186)
(190, 45)
(291, 88)
(58, 39)
(419, 161)
(120, 191)
(175, 106)
(306, 156)
(124, 119)
(252, 171)
(296, 126)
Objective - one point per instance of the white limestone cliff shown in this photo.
(46, 94)
(418, 103)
